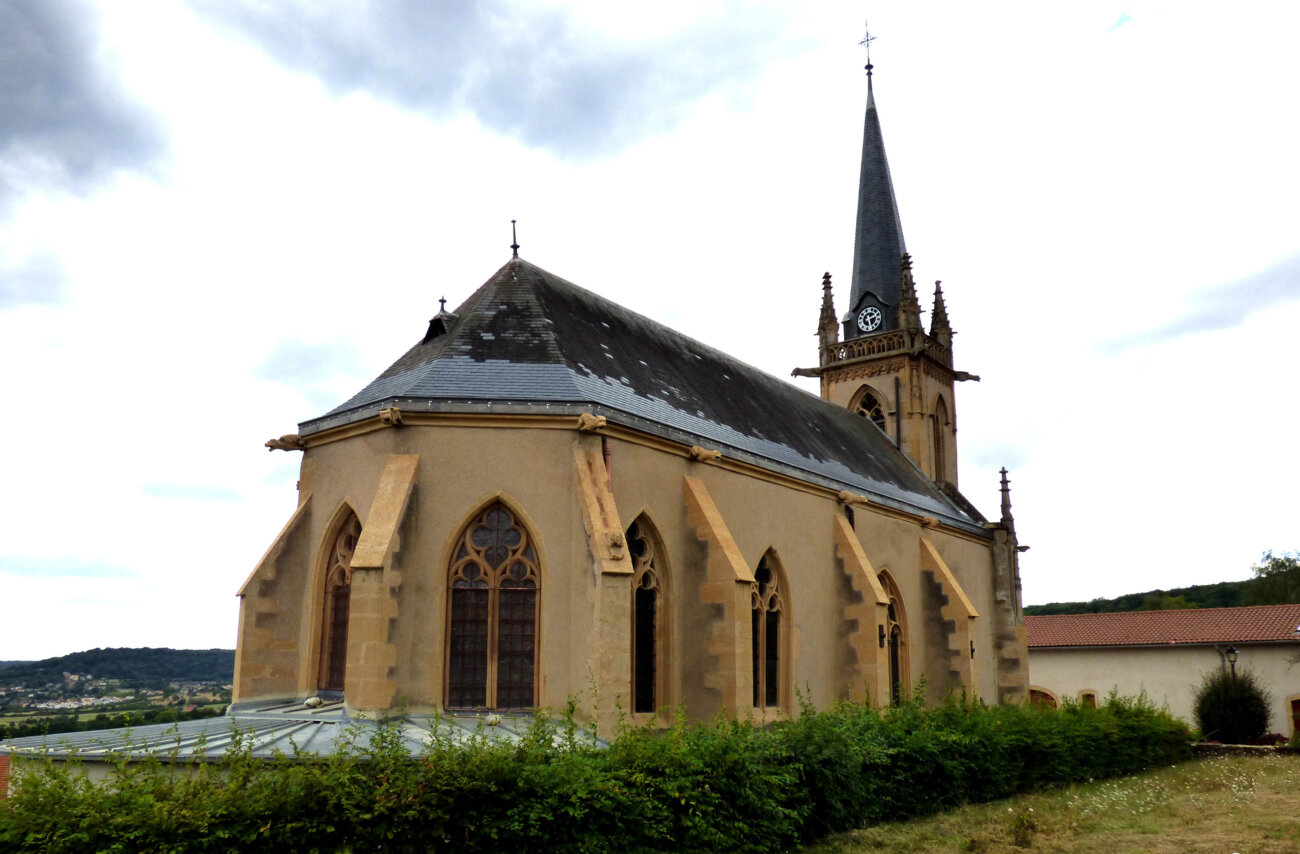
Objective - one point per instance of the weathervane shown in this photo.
(867, 39)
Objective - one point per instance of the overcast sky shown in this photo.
(218, 219)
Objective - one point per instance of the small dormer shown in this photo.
(441, 323)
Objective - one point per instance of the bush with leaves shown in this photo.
(1231, 708)
(725, 786)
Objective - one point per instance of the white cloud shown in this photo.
(1071, 186)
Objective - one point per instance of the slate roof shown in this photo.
(878, 239)
(1257, 624)
(529, 341)
(267, 730)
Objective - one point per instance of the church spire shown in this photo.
(878, 237)
(940, 330)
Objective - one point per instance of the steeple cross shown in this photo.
(867, 39)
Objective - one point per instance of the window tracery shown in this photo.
(338, 595)
(896, 636)
(493, 583)
(648, 613)
(868, 405)
(767, 605)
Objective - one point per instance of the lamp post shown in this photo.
(1231, 655)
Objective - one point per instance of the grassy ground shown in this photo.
(1227, 804)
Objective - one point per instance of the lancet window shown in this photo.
(649, 613)
(896, 637)
(334, 614)
(767, 632)
(493, 583)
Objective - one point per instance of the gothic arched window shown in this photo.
(493, 583)
(334, 614)
(867, 404)
(649, 613)
(896, 635)
(767, 633)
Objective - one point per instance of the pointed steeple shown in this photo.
(878, 238)
(940, 330)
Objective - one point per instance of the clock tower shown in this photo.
(878, 360)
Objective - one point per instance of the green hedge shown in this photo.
(728, 786)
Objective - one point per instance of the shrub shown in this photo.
(1231, 709)
(726, 786)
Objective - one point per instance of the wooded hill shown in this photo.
(1225, 594)
(144, 667)
(1276, 582)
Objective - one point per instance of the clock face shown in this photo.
(869, 319)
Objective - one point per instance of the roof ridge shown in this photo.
(531, 339)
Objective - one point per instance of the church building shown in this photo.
(550, 497)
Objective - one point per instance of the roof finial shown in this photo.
(442, 304)
(827, 322)
(867, 39)
(1006, 496)
(515, 237)
(940, 328)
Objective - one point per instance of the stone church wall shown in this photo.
(585, 597)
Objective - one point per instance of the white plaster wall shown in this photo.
(1167, 674)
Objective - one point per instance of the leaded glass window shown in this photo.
(766, 634)
(896, 632)
(492, 627)
(338, 595)
(647, 612)
(870, 408)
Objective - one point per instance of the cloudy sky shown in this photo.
(220, 218)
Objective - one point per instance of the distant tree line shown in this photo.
(54, 724)
(1276, 582)
(141, 668)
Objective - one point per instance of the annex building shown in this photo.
(1165, 654)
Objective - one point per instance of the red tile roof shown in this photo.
(1259, 624)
